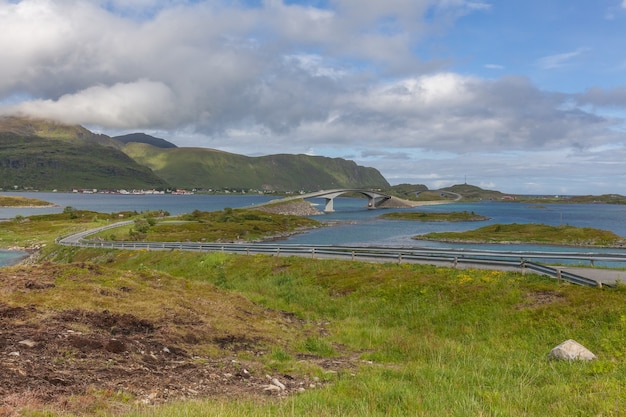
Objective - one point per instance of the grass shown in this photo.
(457, 216)
(430, 341)
(226, 225)
(47, 164)
(40, 230)
(532, 233)
(408, 339)
(211, 169)
(14, 201)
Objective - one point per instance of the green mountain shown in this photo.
(472, 192)
(212, 169)
(28, 127)
(143, 138)
(35, 154)
(48, 155)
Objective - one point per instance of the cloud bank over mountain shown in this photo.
(388, 84)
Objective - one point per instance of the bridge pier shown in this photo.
(329, 207)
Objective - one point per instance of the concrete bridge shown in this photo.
(374, 198)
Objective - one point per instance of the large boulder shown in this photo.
(571, 350)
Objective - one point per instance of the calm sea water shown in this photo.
(355, 225)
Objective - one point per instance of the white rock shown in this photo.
(28, 343)
(271, 388)
(571, 350)
(279, 384)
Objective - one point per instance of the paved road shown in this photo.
(476, 259)
(605, 276)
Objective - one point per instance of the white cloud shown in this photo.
(559, 60)
(281, 77)
(139, 104)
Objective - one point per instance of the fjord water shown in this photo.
(352, 223)
(10, 257)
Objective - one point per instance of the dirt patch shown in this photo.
(84, 361)
(540, 298)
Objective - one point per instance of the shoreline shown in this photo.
(505, 243)
(30, 206)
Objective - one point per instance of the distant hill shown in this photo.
(407, 191)
(472, 192)
(143, 138)
(46, 155)
(212, 169)
(28, 127)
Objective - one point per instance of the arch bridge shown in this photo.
(374, 198)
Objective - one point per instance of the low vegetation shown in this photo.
(456, 216)
(345, 338)
(228, 225)
(531, 233)
(139, 333)
(40, 230)
(31, 162)
(214, 169)
(16, 201)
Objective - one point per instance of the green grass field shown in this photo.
(427, 341)
(382, 339)
(532, 233)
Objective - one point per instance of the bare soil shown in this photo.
(81, 361)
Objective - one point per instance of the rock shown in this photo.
(278, 384)
(271, 388)
(115, 346)
(28, 343)
(571, 350)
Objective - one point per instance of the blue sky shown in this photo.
(520, 96)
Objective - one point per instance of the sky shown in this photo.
(525, 97)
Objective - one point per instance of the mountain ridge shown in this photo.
(42, 154)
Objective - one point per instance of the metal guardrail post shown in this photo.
(313, 253)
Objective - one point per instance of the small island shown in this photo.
(455, 216)
(532, 233)
(225, 226)
(19, 202)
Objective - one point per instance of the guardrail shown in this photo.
(521, 260)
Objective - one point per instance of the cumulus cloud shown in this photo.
(139, 104)
(279, 76)
(603, 97)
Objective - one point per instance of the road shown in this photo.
(460, 258)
